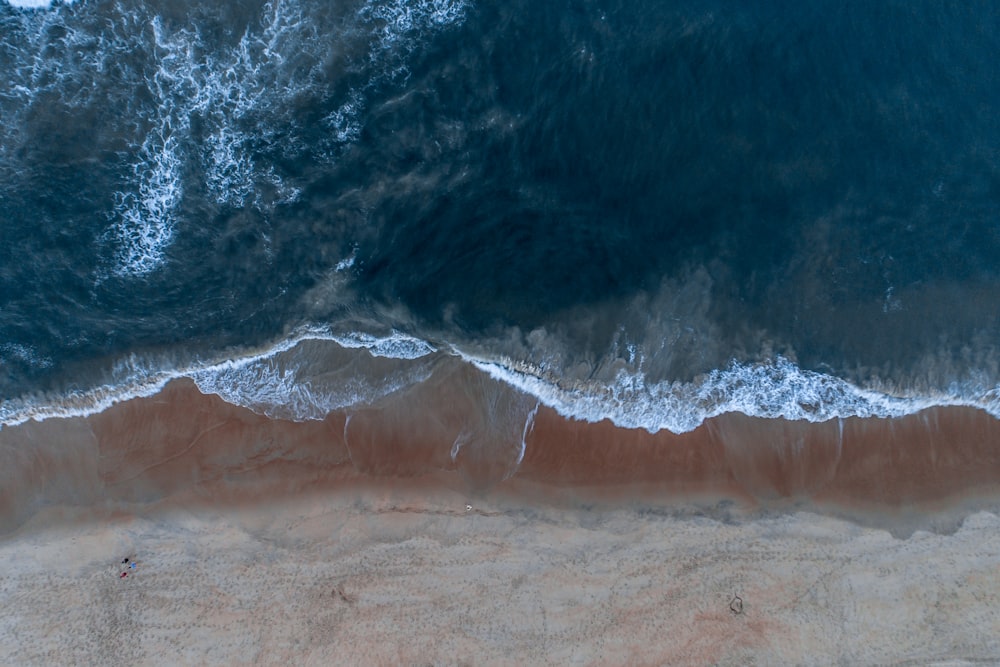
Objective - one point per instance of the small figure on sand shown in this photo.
(128, 564)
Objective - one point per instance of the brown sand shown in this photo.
(148, 449)
(264, 540)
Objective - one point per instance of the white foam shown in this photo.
(265, 384)
(255, 381)
(235, 92)
(51, 60)
(145, 222)
(223, 88)
(779, 389)
(529, 425)
(276, 392)
(79, 403)
(396, 29)
(35, 4)
(347, 262)
(397, 23)
(398, 26)
(394, 346)
(230, 179)
(259, 383)
(264, 71)
(345, 121)
(24, 354)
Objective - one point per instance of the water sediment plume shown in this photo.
(461, 432)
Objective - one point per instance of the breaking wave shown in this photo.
(775, 389)
(230, 112)
(317, 371)
(286, 380)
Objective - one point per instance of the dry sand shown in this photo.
(356, 579)
(348, 541)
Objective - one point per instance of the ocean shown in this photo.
(652, 213)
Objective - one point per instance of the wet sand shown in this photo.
(180, 440)
(348, 541)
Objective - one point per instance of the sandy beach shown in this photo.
(396, 579)
(361, 539)
(499, 332)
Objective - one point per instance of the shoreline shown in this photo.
(901, 473)
(265, 541)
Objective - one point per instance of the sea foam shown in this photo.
(774, 389)
(234, 92)
(276, 385)
(36, 4)
(257, 381)
(267, 385)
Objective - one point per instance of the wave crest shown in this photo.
(317, 371)
(295, 378)
(773, 389)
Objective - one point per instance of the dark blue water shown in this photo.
(647, 210)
